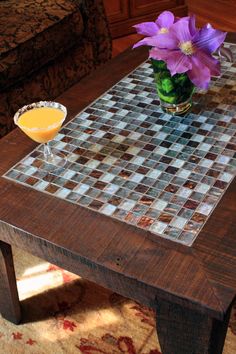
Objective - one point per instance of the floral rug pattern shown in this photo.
(63, 313)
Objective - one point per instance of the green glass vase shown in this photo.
(175, 92)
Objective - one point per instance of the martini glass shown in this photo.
(41, 121)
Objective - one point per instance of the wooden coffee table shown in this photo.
(191, 287)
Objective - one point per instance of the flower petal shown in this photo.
(192, 25)
(144, 41)
(159, 54)
(199, 74)
(147, 28)
(165, 19)
(209, 39)
(178, 63)
(181, 29)
(164, 41)
(207, 60)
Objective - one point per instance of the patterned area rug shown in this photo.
(64, 313)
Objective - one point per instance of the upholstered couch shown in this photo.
(45, 47)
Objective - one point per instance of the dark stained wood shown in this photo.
(185, 331)
(116, 10)
(142, 7)
(220, 13)
(9, 301)
(121, 257)
(123, 14)
(119, 29)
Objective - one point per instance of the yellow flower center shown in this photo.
(163, 30)
(187, 47)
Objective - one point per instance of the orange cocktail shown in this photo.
(41, 121)
(41, 124)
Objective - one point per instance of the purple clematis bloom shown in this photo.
(161, 26)
(186, 49)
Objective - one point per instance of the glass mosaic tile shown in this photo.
(130, 161)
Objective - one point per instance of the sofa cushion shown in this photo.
(34, 32)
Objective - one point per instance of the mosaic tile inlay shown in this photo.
(129, 160)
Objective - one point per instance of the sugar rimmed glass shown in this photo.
(41, 129)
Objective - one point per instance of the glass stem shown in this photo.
(47, 152)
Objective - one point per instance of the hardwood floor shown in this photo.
(220, 13)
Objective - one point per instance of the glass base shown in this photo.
(176, 109)
(55, 159)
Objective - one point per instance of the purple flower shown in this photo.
(161, 26)
(186, 49)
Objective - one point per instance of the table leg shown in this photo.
(183, 331)
(9, 300)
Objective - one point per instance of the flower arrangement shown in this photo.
(183, 47)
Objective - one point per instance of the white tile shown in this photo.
(159, 204)
(127, 204)
(158, 227)
(178, 222)
(108, 209)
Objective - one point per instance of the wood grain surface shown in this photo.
(198, 279)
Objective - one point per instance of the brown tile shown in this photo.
(192, 227)
(202, 132)
(141, 188)
(200, 218)
(150, 132)
(146, 200)
(143, 170)
(99, 157)
(49, 178)
(35, 154)
(66, 139)
(171, 188)
(89, 154)
(165, 159)
(79, 151)
(145, 221)
(100, 185)
(82, 160)
(96, 174)
(127, 157)
(213, 173)
(95, 204)
(89, 131)
(231, 147)
(190, 184)
(31, 181)
(172, 170)
(221, 124)
(37, 163)
(194, 159)
(122, 147)
(109, 136)
(190, 204)
(125, 174)
(164, 217)
(211, 156)
(131, 218)
(51, 188)
(124, 132)
(220, 184)
(144, 124)
(70, 185)
(115, 200)
(149, 147)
